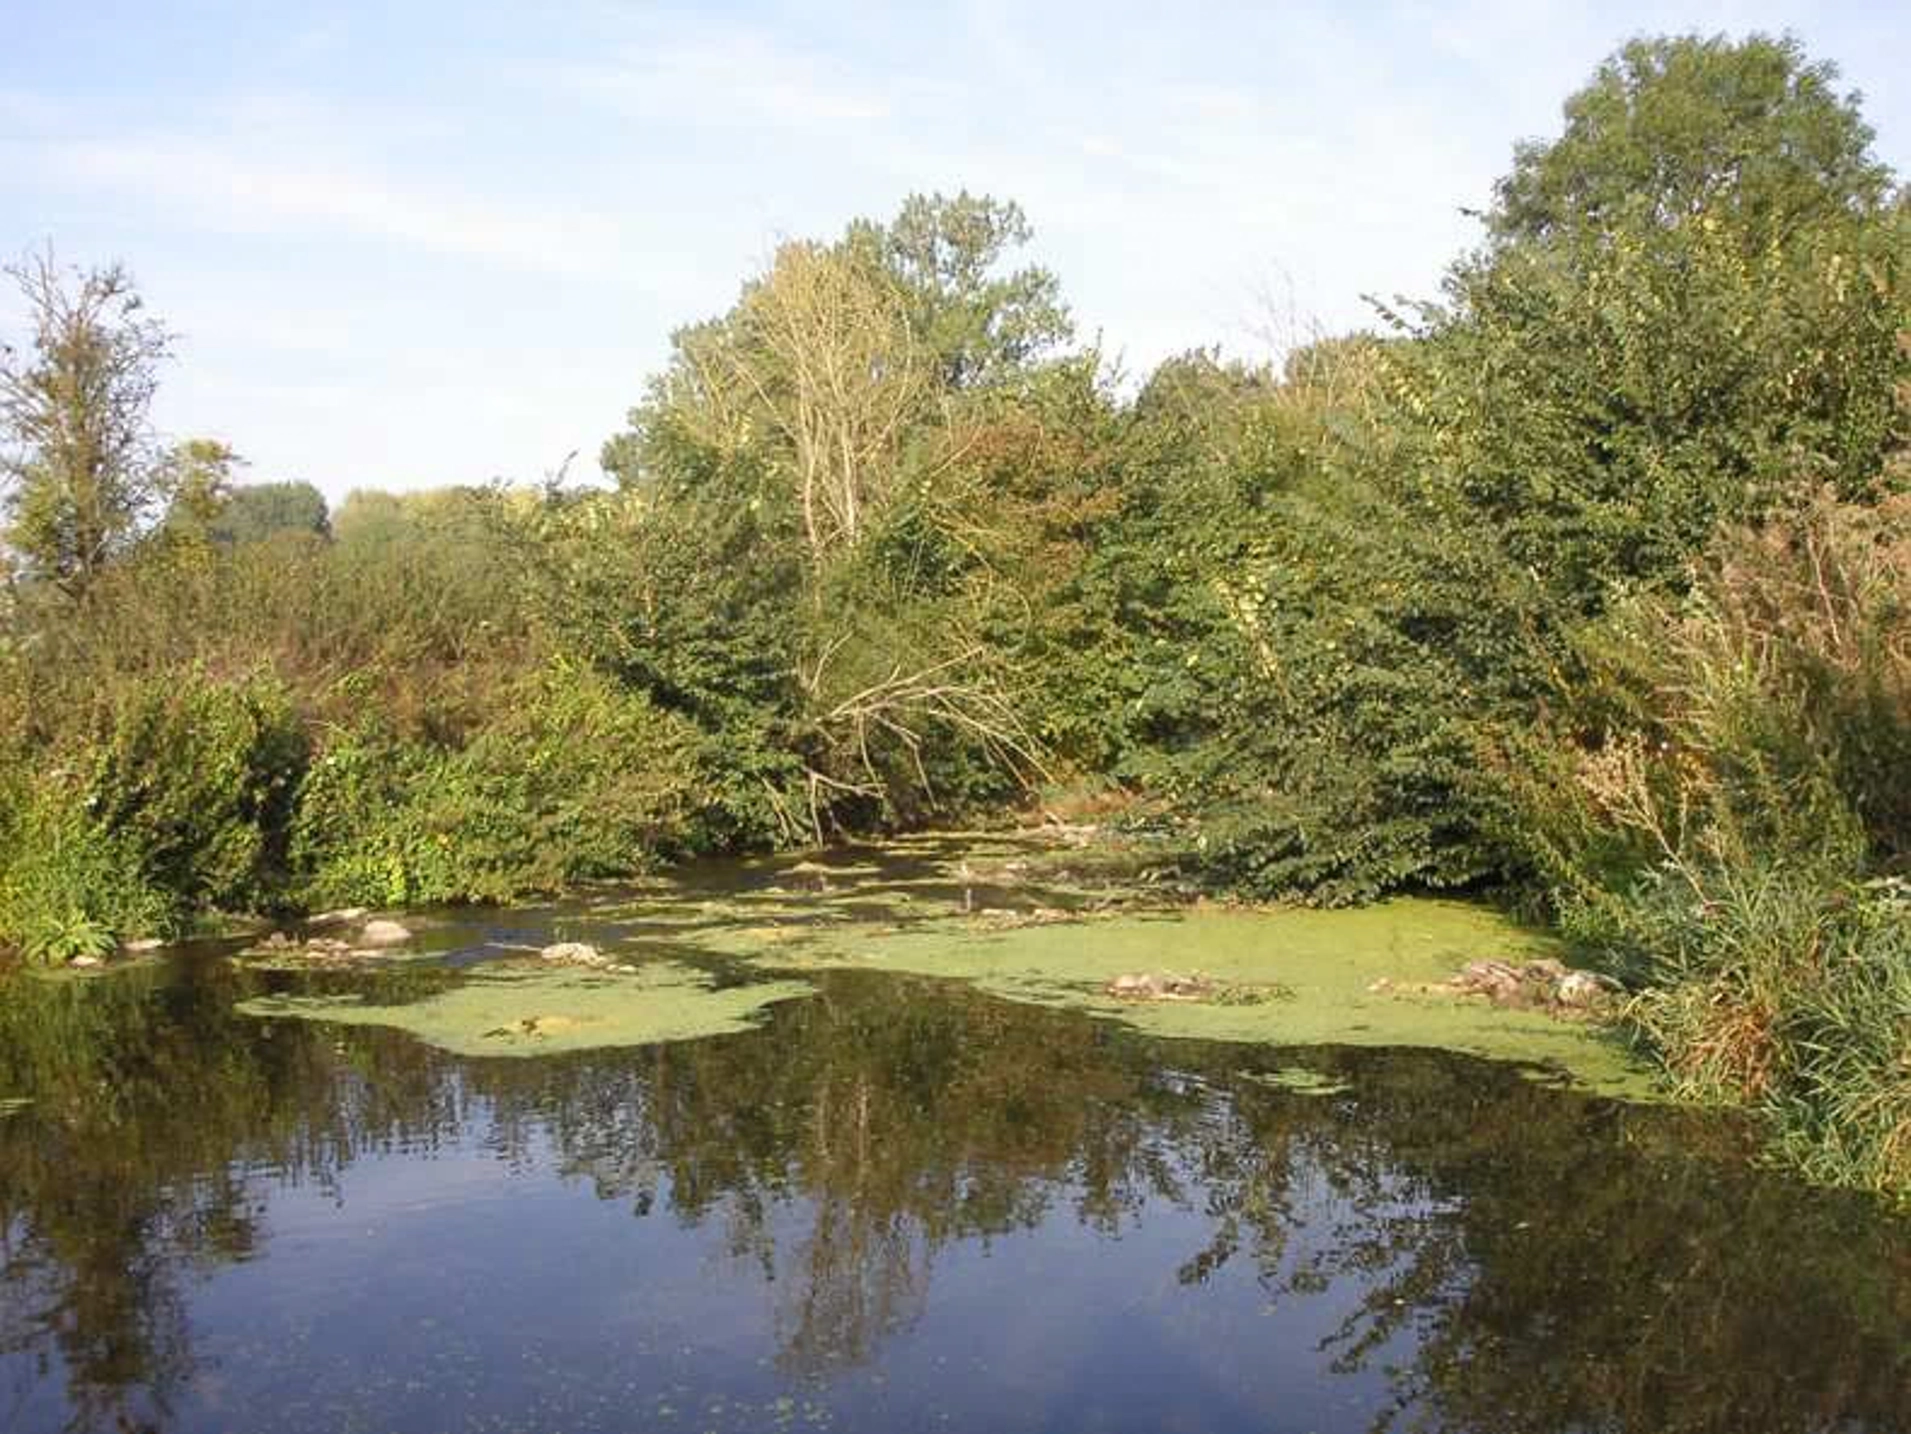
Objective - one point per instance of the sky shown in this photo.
(423, 242)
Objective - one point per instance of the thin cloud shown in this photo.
(214, 186)
(739, 78)
(626, 164)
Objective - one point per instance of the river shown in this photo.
(866, 1195)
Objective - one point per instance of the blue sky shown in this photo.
(418, 243)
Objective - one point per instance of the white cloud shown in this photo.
(216, 185)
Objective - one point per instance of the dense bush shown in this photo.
(575, 781)
(175, 797)
(1728, 828)
(68, 887)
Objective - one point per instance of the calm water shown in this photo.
(898, 1205)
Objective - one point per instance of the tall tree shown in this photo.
(198, 481)
(254, 511)
(852, 418)
(1675, 129)
(77, 459)
(819, 360)
(945, 256)
(1691, 300)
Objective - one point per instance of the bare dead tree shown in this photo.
(822, 357)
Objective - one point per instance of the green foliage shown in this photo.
(177, 799)
(1782, 986)
(77, 473)
(1673, 128)
(1330, 595)
(684, 600)
(983, 327)
(1693, 299)
(199, 777)
(1599, 410)
(1724, 827)
(1767, 714)
(356, 838)
(253, 512)
(198, 479)
(578, 781)
(68, 886)
(817, 563)
(1263, 664)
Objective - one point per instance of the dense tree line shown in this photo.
(1585, 582)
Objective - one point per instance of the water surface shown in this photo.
(895, 1203)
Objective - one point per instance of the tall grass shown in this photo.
(1734, 827)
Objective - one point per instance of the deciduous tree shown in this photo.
(76, 453)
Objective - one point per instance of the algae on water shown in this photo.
(1326, 959)
(1017, 918)
(521, 1011)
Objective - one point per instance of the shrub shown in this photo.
(575, 780)
(68, 887)
(1729, 830)
(199, 776)
(172, 796)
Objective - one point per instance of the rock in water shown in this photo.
(344, 916)
(1160, 986)
(1583, 988)
(574, 953)
(1499, 980)
(1543, 983)
(384, 933)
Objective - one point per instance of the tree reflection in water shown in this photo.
(1497, 1255)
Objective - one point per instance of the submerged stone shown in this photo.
(344, 916)
(1167, 986)
(1542, 985)
(284, 952)
(573, 953)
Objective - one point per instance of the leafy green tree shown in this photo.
(198, 478)
(255, 511)
(1670, 130)
(1691, 301)
(1337, 590)
(849, 412)
(813, 379)
(945, 254)
(78, 471)
(1282, 682)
